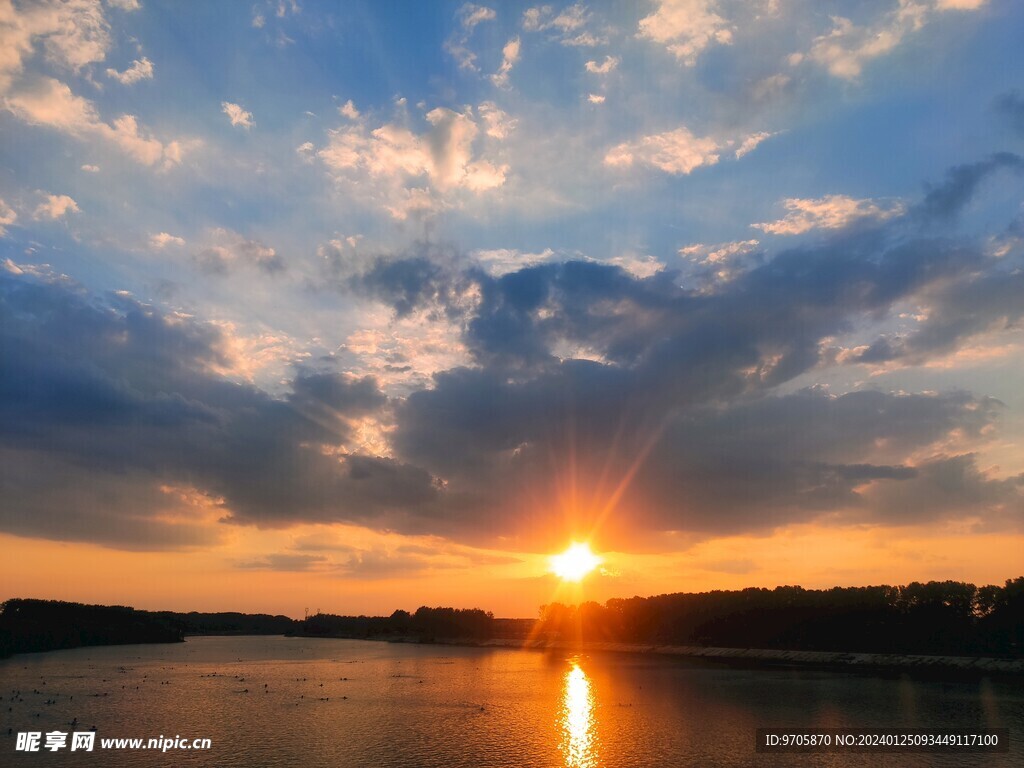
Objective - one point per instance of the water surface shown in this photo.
(275, 701)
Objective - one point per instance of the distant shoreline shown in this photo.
(754, 657)
(972, 666)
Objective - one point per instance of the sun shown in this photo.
(575, 563)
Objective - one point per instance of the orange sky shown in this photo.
(809, 555)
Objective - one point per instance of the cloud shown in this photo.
(228, 249)
(676, 152)
(497, 123)
(945, 200)
(595, 98)
(348, 109)
(412, 282)
(720, 253)
(286, 562)
(418, 172)
(73, 34)
(501, 261)
(686, 28)
(829, 212)
(91, 168)
(510, 55)
(638, 266)
(957, 313)
(49, 102)
(56, 207)
(457, 45)
(470, 15)
(608, 65)
(749, 144)
(141, 69)
(574, 398)
(116, 400)
(7, 217)
(163, 239)
(712, 265)
(566, 25)
(848, 48)
(1010, 106)
(237, 115)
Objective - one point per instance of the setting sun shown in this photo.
(575, 563)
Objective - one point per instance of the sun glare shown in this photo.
(575, 563)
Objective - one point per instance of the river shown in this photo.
(277, 701)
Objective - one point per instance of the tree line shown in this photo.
(425, 625)
(938, 617)
(44, 625)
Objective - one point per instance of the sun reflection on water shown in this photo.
(577, 720)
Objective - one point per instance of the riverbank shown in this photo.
(764, 656)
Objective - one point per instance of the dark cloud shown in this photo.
(1010, 107)
(103, 402)
(944, 201)
(951, 486)
(285, 562)
(405, 284)
(546, 456)
(957, 313)
(665, 416)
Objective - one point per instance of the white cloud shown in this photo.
(413, 171)
(595, 98)
(91, 168)
(55, 206)
(686, 28)
(470, 15)
(258, 21)
(7, 217)
(717, 254)
(497, 124)
(829, 212)
(638, 266)
(501, 261)
(74, 34)
(141, 69)
(677, 151)
(719, 263)
(567, 25)
(847, 48)
(125, 5)
(348, 109)
(284, 7)
(510, 55)
(49, 102)
(749, 144)
(163, 239)
(125, 133)
(457, 45)
(237, 115)
(606, 66)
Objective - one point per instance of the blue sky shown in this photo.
(680, 254)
